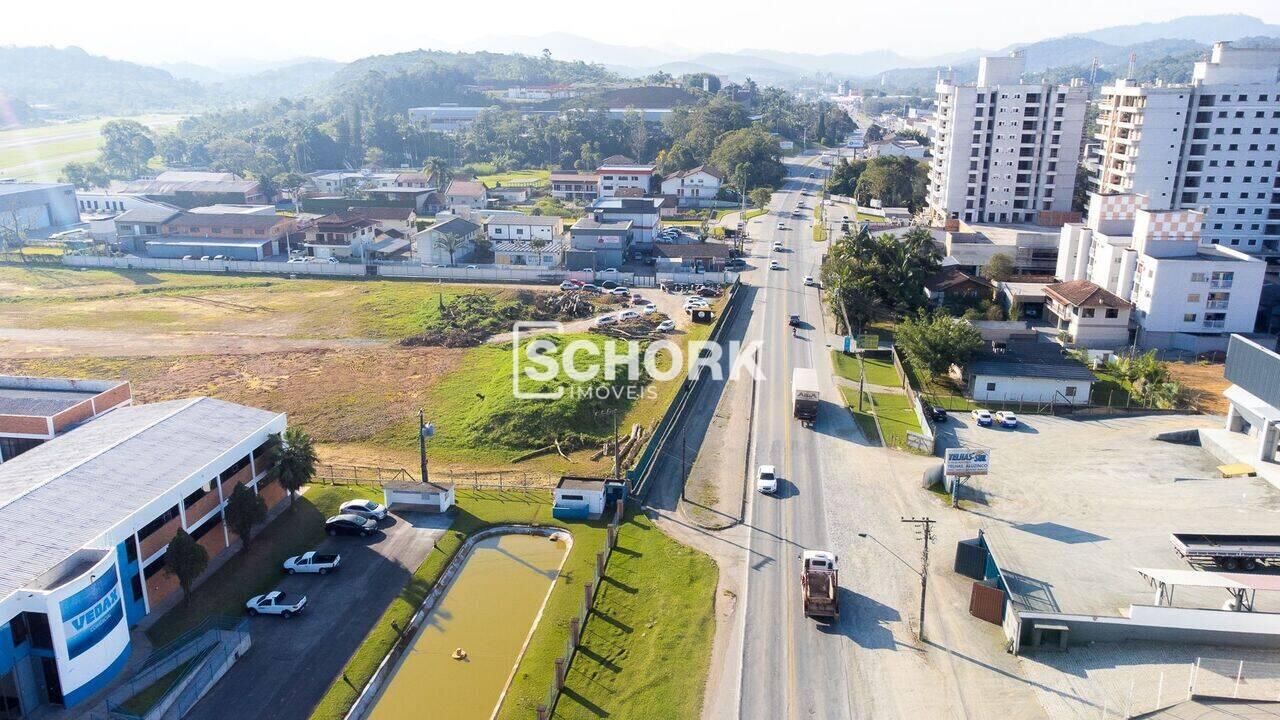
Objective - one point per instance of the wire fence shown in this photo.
(1236, 679)
(579, 621)
(377, 477)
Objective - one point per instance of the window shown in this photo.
(1087, 312)
(1113, 313)
(1193, 297)
(1070, 391)
(1189, 317)
(135, 584)
(991, 387)
(158, 523)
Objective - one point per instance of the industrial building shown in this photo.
(1005, 151)
(1254, 372)
(36, 210)
(85, 520)
(35, 410)
(1209, 145)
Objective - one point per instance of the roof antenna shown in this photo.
(1133, 66)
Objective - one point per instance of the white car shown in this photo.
(1007, 419)
(610, 270)
(666, 326)
(364, 508)
(695, 303)
(205, 257)
(777, 244)
(782, 226)
(620, 291)
(628, 315)
(312, 562)
(566, 285)
(982, 417)
(649, 309)
(276, 603)
(606, 320)
(296, 260)
(775, 265)
(809, 281)
(767, 480)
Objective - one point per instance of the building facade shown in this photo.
(36, 210)
(1005, 152)
(575, 187)
(1209, 146)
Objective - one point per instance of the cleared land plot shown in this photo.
(897, 417)
(1204, 383)
(517, 178)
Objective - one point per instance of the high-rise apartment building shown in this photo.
(1006, 151)
(1209, 146)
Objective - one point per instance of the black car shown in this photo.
(936, 412)
(794, 321)
(350, 525)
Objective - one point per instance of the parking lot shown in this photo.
(1073, 506)
(293, 661)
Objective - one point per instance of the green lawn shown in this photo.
(896, 417)
(878, 372)
(476, 511)
(866, 422)
(257, 569)
(520, 178)
(753, 213)
(140, 703)
(647, 646)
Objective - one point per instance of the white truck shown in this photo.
(312, 562)
(804, 395)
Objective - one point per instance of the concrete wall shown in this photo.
(1163, 624)
(1016, 389)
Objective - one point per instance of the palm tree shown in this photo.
(293, 461)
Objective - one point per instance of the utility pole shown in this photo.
(423, 431)
(616, 457)
(926, 525)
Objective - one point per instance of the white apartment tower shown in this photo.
(1005, 151)
(1207, 146)
(1186, 295)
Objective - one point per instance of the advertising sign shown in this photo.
(92, 613)
(966, 461)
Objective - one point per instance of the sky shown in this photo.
(227, 32)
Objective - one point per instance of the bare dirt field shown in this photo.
(1205, 383)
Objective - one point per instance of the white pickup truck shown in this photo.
(312, 562)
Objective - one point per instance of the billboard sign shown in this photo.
(92, 613)
(966, 461)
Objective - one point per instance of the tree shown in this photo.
(752, 152)
(127, 147)
(86, 175)
(936, 342)
(999, 268)
(245, 508)
(868, 277)
(185, 559)
(1080, 193)
(293, 461)
(875, 133)
(760, 197)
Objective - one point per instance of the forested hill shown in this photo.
(75, 82)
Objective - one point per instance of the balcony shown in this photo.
(1223, 284)
(1216, 304)
(1215, 324)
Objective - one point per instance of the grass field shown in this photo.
(866, 422)
(647, 646)
(521, 178)
(878, 372)
(896, 416)
(39, 153)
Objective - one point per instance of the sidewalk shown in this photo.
(713, 497)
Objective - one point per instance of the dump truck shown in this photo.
(820, 585)
(1230, 552)
(804, 395)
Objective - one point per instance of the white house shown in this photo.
(575, 187)
(521, 227)
(619, 171)
(1186, 294)
(340, 235)
(534, 254)
(583, 497)
(1091, 316)
(419, 496)
(896, 148)
(466, 194)
(1254, 372)
(694, 185)
(1028, 371)
(644, 213)
(447, 242)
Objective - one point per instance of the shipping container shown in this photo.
(987, 603)
(971, 559)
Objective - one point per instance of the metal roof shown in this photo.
(66, 493)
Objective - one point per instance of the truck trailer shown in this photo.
(1230, 552)
(820, 585)
(804, 395)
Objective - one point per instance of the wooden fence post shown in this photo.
(559, 674)
(575, 630)
(588, 592)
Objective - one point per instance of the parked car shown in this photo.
(637, 298)
(566, 285)
(588, 287)
(649, 309)
(774, 265)
(622, 291)
(609, 284)
(666, 326)
(982, 417)
(333, 259)
(276, 602)
(628, 315)
(709, 292)
(205, 257)
(312, 562)
(767, 480)
(606, 320)
(610, 270)
(350, 525)
(936, 412)
(189, 257)
(695, 302)
(1007, 419)
(364, 508)
(220, 257)
(296, 260)
(469, 267)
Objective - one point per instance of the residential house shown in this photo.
(340, 235)
(142, 222)
(400, 219)
(620, 171)
(644, 214)
(896, 147)
(1254, 373)
(466, 194)
(1186, 294)
(533, 253)
(1091, 316)
(950, 283)
(1033, 249)
(597, 243)
(521, 227)
(1027, 372)
(447, 242)
(693, 186)
(575, 187)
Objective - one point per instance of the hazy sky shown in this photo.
(222, 31)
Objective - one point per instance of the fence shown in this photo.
(177, 675)
(579, 621)
(638, 475)
(1236, 679)
(374, 476)
(926, 441)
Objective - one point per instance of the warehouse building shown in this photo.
(85, 520)
(34, 410)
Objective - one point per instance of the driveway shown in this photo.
(292, 662)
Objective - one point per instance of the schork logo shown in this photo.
(546, 366)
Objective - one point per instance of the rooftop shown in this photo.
(149, 213)
(627, 204)
(466, 188)
(524, 246)
(86, 482)
(949, 277)
(522, 219)
(1082, 293)
(13, 188)
(1029, 359)
(573, 482)
(590, 223)
(454, 226)
(692, 250)
(46, 397)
